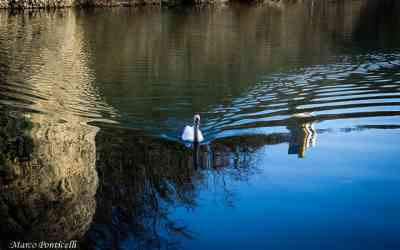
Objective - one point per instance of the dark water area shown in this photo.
(299, 105)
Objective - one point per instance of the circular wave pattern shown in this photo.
(369, 87)
(49, 74)
(60, 76)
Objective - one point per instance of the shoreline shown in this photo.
(51, 4)
(61, 4)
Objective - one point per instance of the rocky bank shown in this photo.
(48, 4)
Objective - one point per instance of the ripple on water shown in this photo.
(59, 80)
(324, 91)
(48, 74)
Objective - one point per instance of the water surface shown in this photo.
(300, 108)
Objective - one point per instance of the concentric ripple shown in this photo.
(344, 90)
(48, 74)
(69, 68)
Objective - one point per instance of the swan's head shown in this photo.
(196, 119)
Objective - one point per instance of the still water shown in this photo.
(300, 108)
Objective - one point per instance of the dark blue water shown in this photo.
(346, 202)
(300, 107)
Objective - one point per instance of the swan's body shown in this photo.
(303, 115)
(193, 133)
(188, 134)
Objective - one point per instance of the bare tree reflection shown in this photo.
(142, 179)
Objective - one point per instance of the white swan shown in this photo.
(303, 115)
(193, 133)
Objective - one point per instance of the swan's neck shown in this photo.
(196, 132)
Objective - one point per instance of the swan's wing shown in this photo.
(200, 135)
(188, 133)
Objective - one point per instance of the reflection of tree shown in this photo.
(378, 24)
(47, 184)
(47, 153)
(170, 55)
(47, 177)
(140, 180)
(143, 178)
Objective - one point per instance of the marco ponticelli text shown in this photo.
(44, 245)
